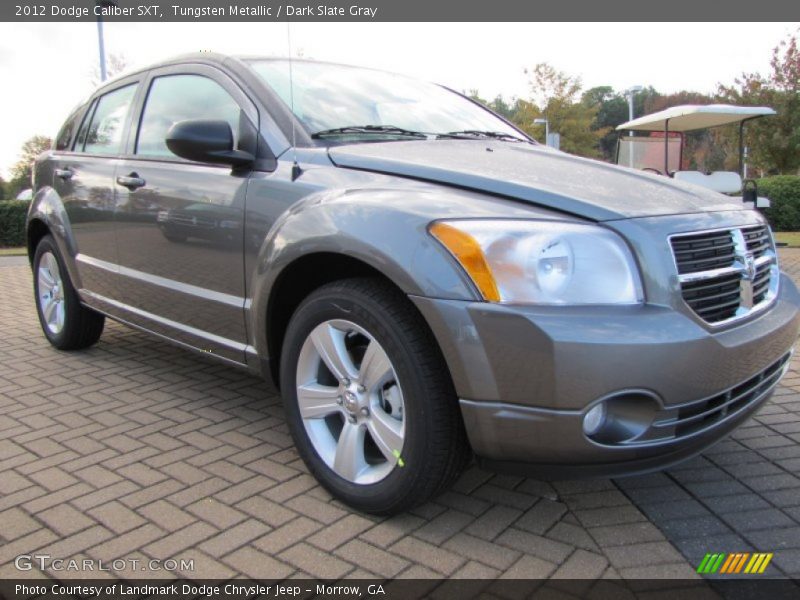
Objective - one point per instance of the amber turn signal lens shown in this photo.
(468, 252)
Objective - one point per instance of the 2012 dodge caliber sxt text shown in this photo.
(420, 279)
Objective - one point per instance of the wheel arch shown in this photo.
(295, 282)
(47, 216)
(334, 236)
(36, 230)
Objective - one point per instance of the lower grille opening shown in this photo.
(678, 422)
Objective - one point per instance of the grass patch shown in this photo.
(21, 251)
(792, 238)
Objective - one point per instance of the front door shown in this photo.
(180, 224)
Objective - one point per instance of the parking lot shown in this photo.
(135, 449)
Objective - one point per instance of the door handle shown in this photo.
(64, 174)
(131, 181)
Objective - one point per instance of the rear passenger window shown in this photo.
(174, 98)
(104, 134)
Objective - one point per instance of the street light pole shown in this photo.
(101, 45)
(629, 93)
(546, 124)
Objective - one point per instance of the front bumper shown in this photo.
(527, 376)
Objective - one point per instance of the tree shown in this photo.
(22, 170)
(774, 141)
(2, 189)
(612, 110)
(520, 112)
(558, 97)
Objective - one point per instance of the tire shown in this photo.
(66, 323)
(396, 372)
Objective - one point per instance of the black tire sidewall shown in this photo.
(363, 311)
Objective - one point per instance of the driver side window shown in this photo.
(174, 98)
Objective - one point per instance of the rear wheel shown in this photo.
(67, 324)
(369, 398)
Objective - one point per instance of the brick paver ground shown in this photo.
(135, 449)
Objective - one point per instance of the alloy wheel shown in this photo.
(51, 292)
(351, 402)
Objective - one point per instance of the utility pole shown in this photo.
(101, 45)
(630, 93)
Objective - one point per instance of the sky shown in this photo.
(47, 68)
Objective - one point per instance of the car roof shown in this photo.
(689, 117)
(229, 60)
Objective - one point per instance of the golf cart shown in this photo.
(661, 151)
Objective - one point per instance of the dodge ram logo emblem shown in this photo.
(750, 265)
(746, 284)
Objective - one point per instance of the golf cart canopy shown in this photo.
(689, 117)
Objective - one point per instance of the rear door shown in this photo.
(84, 179)
(180, 224)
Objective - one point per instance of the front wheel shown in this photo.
(369, 398)
(67, 324)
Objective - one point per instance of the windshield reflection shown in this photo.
(328, 96)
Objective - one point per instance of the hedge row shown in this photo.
(784, 194)
(12, 223)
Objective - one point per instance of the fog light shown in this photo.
(621, 418)
(594, 419)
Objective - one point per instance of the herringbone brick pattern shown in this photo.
(138, 450)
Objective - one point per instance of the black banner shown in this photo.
(401, 10)
(397, 589)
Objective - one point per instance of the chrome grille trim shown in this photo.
(753, 263)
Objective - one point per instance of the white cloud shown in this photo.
(46, 68)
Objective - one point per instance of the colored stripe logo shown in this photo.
(734, 563)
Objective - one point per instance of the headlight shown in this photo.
(543, 262)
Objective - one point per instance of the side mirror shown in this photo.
(750, 191)
(207, 141)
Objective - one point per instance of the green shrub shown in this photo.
(784, 194)
(12, 223)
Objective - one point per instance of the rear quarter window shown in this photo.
(67, 131)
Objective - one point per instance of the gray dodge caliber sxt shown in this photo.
(420, 279)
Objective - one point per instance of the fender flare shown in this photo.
(375, 227)
(47, 208)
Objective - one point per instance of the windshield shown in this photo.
(648, 153)
(331, 97)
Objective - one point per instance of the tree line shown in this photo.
(586, 119)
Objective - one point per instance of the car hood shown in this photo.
(535, 174)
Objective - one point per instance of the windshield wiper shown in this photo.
(495, 135)
(370, 129)
(399, 131)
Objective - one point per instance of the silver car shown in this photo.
(421, 280)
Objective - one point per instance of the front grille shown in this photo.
(704, 251)
(757, 239)
(726, 274)
(683, 420)
(714, 299)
